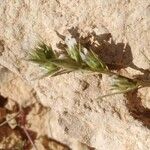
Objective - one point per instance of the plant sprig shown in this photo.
(78, 57)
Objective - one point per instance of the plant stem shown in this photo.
(5, 122)
(140, 82)
(115, 93)
(28, 136)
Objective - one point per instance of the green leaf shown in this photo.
(92, 60)
(73, 52)
(66, 63)
(50, 73)
(121, 85)
(42, 53)
(47, 50)
(42, 56)
(49, 66)
(124, 84)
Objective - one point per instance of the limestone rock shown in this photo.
(108, 124)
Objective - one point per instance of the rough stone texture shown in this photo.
(13, 87)
(43, 121)
(106, 124)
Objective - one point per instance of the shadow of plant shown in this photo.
(116, 56)
(136, 109)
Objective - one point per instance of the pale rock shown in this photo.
(103, 124)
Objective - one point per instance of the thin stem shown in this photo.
(5, 122)
(28, 136)
(120, 92)
(24, 129)
(110, 73)
(146, 57)
(143, 83)
(140, 82)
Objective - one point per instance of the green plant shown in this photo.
(78, 57)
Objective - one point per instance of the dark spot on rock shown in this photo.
(84, 85)
(66, 129)
(3, 101)
(87, 106)
(91, 100)
(1, 47)
(65, 112)
(77, 102)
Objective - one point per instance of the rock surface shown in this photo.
(108, 124)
